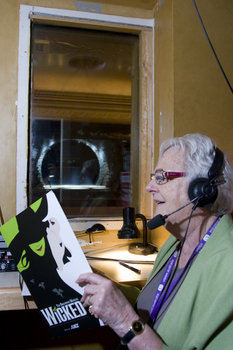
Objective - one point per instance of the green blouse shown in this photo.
(201, 314)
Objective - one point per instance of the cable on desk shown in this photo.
(139, 262)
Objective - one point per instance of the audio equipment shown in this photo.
(205, 188)
(7, 263)
(202, 191)
(159, 220)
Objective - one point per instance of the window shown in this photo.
(81, 123)
(33, 173)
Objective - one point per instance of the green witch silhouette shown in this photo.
(39, 253)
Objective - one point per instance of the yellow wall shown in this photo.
(203, 100)
(8, 95)
(191, 94)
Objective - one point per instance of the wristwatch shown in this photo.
(136, 328)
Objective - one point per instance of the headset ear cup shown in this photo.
(202, 188)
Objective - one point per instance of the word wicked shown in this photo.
(64, 313)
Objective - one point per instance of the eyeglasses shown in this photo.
(162, 176)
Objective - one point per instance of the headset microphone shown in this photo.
(202, 190)
(159, 220)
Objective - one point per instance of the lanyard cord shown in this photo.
(160, 298)
(178, 258)
(151, 322)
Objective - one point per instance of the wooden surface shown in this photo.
(10, 291)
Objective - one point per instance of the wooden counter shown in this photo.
(19, 327)
(10, 291)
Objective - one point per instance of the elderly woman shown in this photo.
(187, 302)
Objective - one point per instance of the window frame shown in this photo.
(145, 29)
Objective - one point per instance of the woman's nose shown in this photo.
(152, 186)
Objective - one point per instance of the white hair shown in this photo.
(199, 152)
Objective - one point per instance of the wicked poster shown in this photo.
(50, 259)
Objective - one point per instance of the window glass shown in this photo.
(83, 119)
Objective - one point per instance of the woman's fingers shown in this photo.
(105, 301)
(89, 277)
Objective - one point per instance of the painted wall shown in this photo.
(191, 93)
(203, 100)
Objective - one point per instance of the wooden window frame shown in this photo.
(145, 29)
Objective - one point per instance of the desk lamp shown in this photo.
(129, 230)
(96, 228)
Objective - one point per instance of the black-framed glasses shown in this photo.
(162, 176)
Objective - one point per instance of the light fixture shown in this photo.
(87, 62)
(129, 230)
(96, 228)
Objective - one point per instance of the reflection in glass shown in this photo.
(80, 119)
(79, 164)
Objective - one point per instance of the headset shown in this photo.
(206, 188)
(202, 191)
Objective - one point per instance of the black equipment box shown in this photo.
(7, 262)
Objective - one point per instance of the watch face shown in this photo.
(137, 327)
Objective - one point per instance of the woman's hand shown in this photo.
(107, 302)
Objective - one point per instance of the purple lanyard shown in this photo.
(158, 301)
